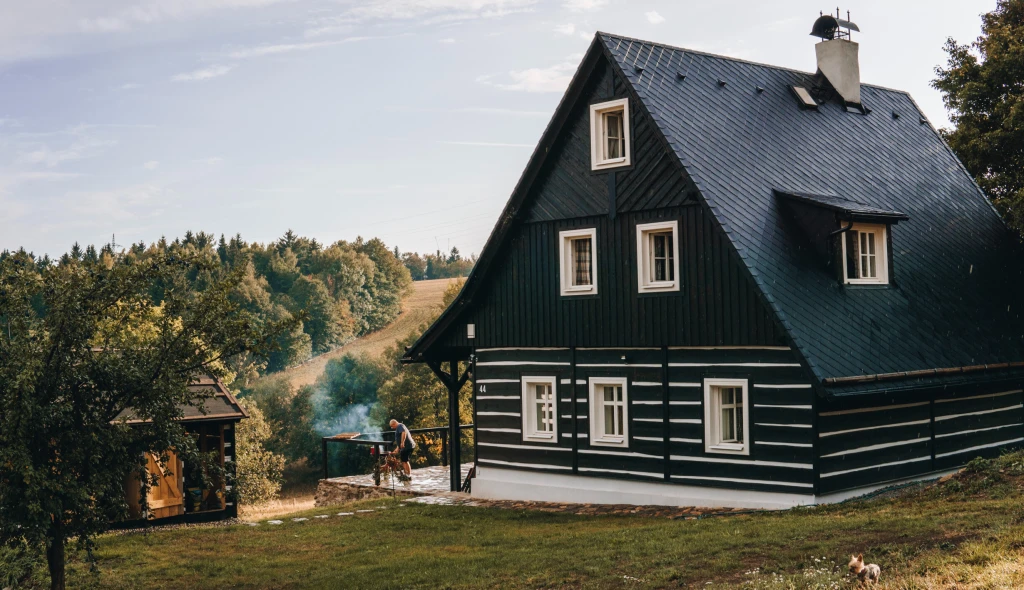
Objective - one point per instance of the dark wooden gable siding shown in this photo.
(519, 303)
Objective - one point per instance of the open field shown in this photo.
(417, 308)
(965, 533)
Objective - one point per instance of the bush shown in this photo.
(258, 475)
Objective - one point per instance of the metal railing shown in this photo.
(385, 441)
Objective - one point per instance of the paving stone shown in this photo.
(275, 522)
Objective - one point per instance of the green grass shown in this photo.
(969, 529)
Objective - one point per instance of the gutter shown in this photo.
(920, 373)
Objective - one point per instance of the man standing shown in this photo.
(404, 444)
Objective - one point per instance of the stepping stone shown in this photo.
(252, 524)
(346, 513)
(275, 522)
(364, 511)
(322, 516)
(299, 519)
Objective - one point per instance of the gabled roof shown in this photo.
(736, 128)
(221, 406)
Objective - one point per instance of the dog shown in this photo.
(867, 574)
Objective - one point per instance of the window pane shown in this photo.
(609, 420)
(609, 394)
(669, 262)
(582, 262)
(728, 433)
(619, 410)
(739, 421)
(852, 255)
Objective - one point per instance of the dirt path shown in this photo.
(417, 308)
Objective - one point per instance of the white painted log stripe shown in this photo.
(977, 430)
(646, 384)
(514, 348)
(845, 471)
(750, 481)
(683, 421)
(834, 433)
(565, 400)
(694, 441)
(960, 399)
(784, 407)
(649, 438)
(645, 403)
(683, 384)
(513, 464)
(493, 397)
(619, 454)
(874, 409)
(513, 430)
(988, 446)
(489, 381)
(513, 414)
(742, 462)
(569, 435)
(520, 363)
(782, 386)
(684, 403)
(527, 447)
(569, 382)
(783, 444)
(782, 425)
(581, 400)
(765, 365)
(592, 348)
(567, 416)
(951, 416)
(899, 443)
(728, 348)
(647, 420)
(619, 471)
(619, 365)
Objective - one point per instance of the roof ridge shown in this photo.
(736, 59)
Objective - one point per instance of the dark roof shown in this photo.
(850, 210)
(221, 406)
(955, 275)
(743, 139)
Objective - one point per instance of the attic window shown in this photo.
(657, 247)
(865, 256)
(609, 134)
(805, 98)
(579, 261)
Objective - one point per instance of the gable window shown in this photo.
(865, 259)
(726, 416)
(609, 412)
(609, 134)
(539, 418)
(657, 250)
(578, 265)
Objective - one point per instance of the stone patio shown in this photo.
(426, 481)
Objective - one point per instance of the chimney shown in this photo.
(838, 56)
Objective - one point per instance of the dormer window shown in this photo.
(609, 134)
(657, 247)
(865, 256)
(579, 261)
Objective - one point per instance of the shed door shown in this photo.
(165, 498)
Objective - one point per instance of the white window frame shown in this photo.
(567, 268)
(530, 432)
(645, 280)
(598, 436)
(713, 418)
(598, 145)
(881, 232)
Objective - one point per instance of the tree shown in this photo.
(983, 88)
(82, 350)
(323, 320)
(258, 471)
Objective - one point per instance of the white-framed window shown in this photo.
(540, 420)
(726, 416)
(578, 267)
(609, 134)
(657, 253)
(865, 255)
(609, 412)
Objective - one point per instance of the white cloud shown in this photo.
(151, 165)
(566, 29)
(265, 50)
(553, 78)
(119, 204)
(447, 41)
(130, 86)
(203, 73)
(584, 5)
(212, 161)
(82, 147)
(147, 12)
(654, 18)
(424, 12)
(488, 144)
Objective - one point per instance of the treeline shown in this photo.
(438, 265)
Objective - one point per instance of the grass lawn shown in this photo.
(966, 533)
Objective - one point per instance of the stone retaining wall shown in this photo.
(330, 492)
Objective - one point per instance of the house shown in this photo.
(191, 495)
(733, 284)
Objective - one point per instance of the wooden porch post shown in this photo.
(454, 446)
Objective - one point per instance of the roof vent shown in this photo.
(838, 59)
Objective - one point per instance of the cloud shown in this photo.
(203, 73)
(447, 41)
(654, 18)
(150, 12)
(118, 204)
(424, 12)
(265, 50)
(48, 156)
(584, 5)
(553, 78)
(151, 165)
(130, 86)
(488, 144)
(212, 161)
(566, 29)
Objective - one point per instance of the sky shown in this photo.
(408, 120)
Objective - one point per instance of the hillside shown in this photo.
(417, 308)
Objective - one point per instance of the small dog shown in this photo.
(867, 574)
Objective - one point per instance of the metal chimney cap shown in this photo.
(827, 25)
